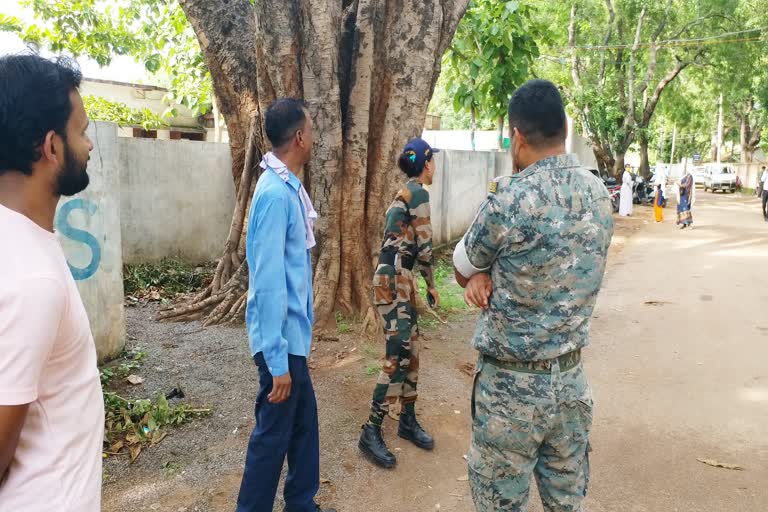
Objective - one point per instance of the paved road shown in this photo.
(688, 377)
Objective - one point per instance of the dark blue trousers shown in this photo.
(287, 429)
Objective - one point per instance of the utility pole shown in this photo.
(674, 139)
(720, 128)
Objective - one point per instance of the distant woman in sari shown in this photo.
(686, 193)
(625, 197)
(658, 200)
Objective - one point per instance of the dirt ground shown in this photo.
(680, 379)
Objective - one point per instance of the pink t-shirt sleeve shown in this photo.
(30, 314)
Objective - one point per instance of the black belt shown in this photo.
(391, 257)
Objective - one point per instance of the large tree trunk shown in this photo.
(604, 157)
(645, 167)
(618, 164)
(366, 70)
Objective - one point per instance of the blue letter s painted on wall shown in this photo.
(78, 235)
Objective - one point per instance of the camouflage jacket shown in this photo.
(544, 235)
(408, 233)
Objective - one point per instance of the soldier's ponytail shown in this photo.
(409, 164)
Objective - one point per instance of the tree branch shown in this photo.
(650, 107)
(652, 57)
(572, 44)
(621, 81)
(606, 40)
(226, 31)
(629, 118)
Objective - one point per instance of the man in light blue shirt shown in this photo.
(279, 321)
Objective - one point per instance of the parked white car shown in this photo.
(699, 173)
(719, 177)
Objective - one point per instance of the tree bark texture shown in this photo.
(645, 167)
(366, 70)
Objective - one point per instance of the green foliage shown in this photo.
(600, 101)
(451, 294)
(132, 424)
(126, 364)
(342, 325)
(372, 369)
(492, 54)
(101, 109)
(171, 468)
(170, 276)
(154, 32)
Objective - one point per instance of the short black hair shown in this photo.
(284, 118)
(411, 168)
(34, 99)
(536, 110)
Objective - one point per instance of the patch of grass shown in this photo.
(170, 468)
(342, 325)
(169, 276)
(372, 369)
(451, 294)
(131, 363)
(372, 351)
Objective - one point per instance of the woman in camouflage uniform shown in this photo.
(407, 242)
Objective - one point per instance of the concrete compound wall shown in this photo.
(88, 226)
(147, 200)
(749, 173)
(176, 198)
(460, 186)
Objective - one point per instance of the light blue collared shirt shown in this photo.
(279, 311)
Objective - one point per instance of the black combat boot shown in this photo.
(372, 445)
(411, 430)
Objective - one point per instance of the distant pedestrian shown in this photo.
(660, 182)
(279, 321)
(686, 198)
(625, 197)
(658, 201)
(764, 182)
(760, 179)
(51, 406)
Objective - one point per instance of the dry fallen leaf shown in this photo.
(717, 464)
(656, 303)
(135, 379)
(325, 481)
(135, 451)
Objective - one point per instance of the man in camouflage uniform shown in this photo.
(407, 242)
(534, 260)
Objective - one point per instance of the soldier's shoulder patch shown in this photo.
(497, 183)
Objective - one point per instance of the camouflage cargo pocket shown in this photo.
(383, 289)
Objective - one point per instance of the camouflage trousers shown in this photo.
(529, 423)
(400, 372)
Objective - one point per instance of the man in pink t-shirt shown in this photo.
(51, 408)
